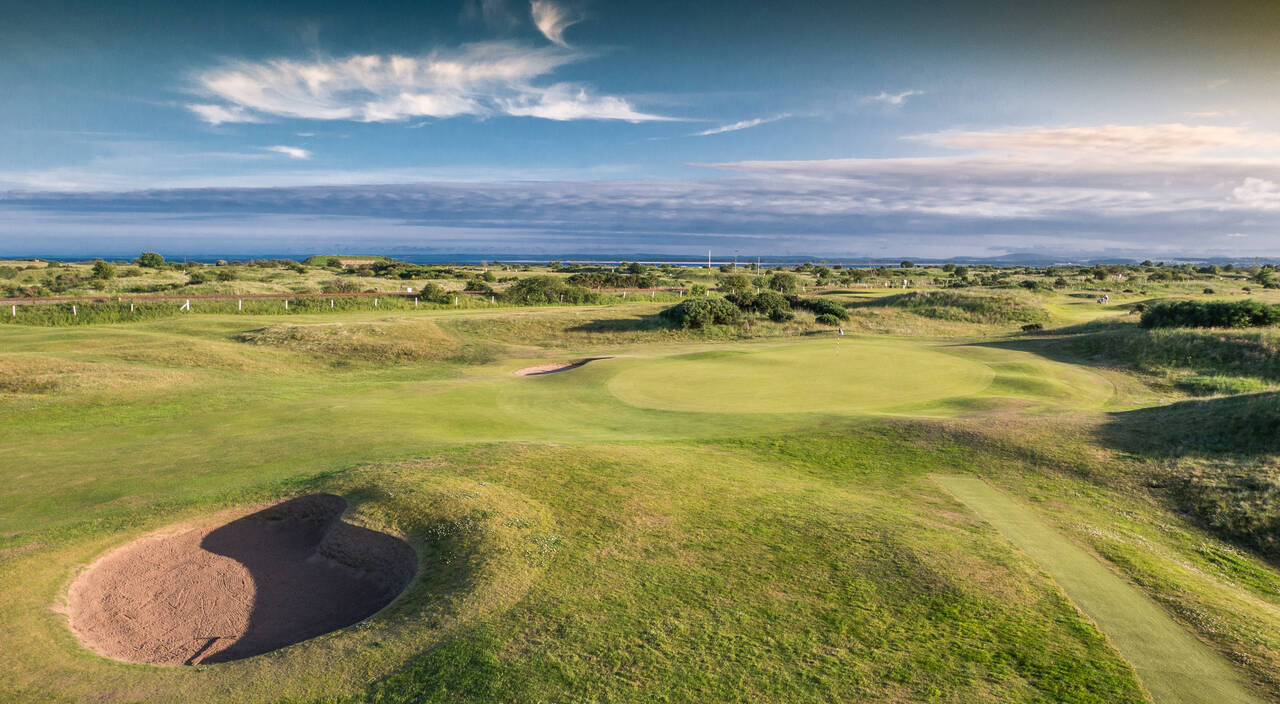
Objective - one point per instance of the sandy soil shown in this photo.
(552, 367)
(204, 595)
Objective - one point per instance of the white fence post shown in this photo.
(186, 306)
(15, 310)
(330, 302)
(375, 303)
(455, 301)
(286, 304)
(73, 310)
(130, 307)
(239, 304)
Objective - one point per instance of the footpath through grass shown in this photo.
(1173, 665)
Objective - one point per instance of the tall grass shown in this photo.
(968, 307)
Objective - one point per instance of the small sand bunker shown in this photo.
(553, 367)
(275, 577)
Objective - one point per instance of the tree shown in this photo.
(149, 259)
(733, 283)
(907, 264)
(103, 271)
(783, 281)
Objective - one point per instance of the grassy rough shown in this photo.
(1001, 309)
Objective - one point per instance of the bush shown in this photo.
(536, 290)
(103, 271)
(340, 286)
(784, 282)
(701, 312)
(734, 283)
(149, 259)
(477, 286)
(697, 290)
(1210, 314)
(821, 307)
(828, 319)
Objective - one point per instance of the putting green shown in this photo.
(857, 376)
(1174, 666)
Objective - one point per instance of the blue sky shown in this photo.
(856, 129)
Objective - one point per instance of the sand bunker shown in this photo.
(553, 367)
(275, 577)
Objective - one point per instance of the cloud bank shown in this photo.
(480, 79)
(1161, 190)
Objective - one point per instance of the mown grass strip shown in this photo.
(1174, 666)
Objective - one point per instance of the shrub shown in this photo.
(1032, 327)
(477, 286)
(536, 290)
(783, 281)
(697, 290)
(149, 259)
(226, 275)
(701, 312)
(828, 319)
(609, 279)
(103, 271)
(821, 307)
(1210, 314)
(340, 286)
(734, 283)
(779, 315)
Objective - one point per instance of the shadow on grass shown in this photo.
(634, 324)
(1234, 426)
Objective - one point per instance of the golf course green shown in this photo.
(832, 374)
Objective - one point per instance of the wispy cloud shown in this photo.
(1119, 140)
(291, 152)
(552, 19)
(1209, 114)
(479, 79)
(218, 114)
(740, 125)
(891, 99)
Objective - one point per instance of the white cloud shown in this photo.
(740, 125)
(1258, 193)
(552, 19)
(291, 152)
(893, 99)
(479, 79)
(1160, 140)
(218, 114)
(1209, 114)
(1237, 235)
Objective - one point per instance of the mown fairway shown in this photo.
(684, 519)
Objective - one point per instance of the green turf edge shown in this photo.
(1173, 666)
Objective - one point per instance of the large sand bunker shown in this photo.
(204, 595)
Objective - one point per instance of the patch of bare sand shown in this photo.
(553, 367)
(277, 576)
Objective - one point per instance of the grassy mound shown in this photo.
(995, 309)
(1220, 458)
(1215, 357)
(378, 341)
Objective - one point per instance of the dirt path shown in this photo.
(1174, 666)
